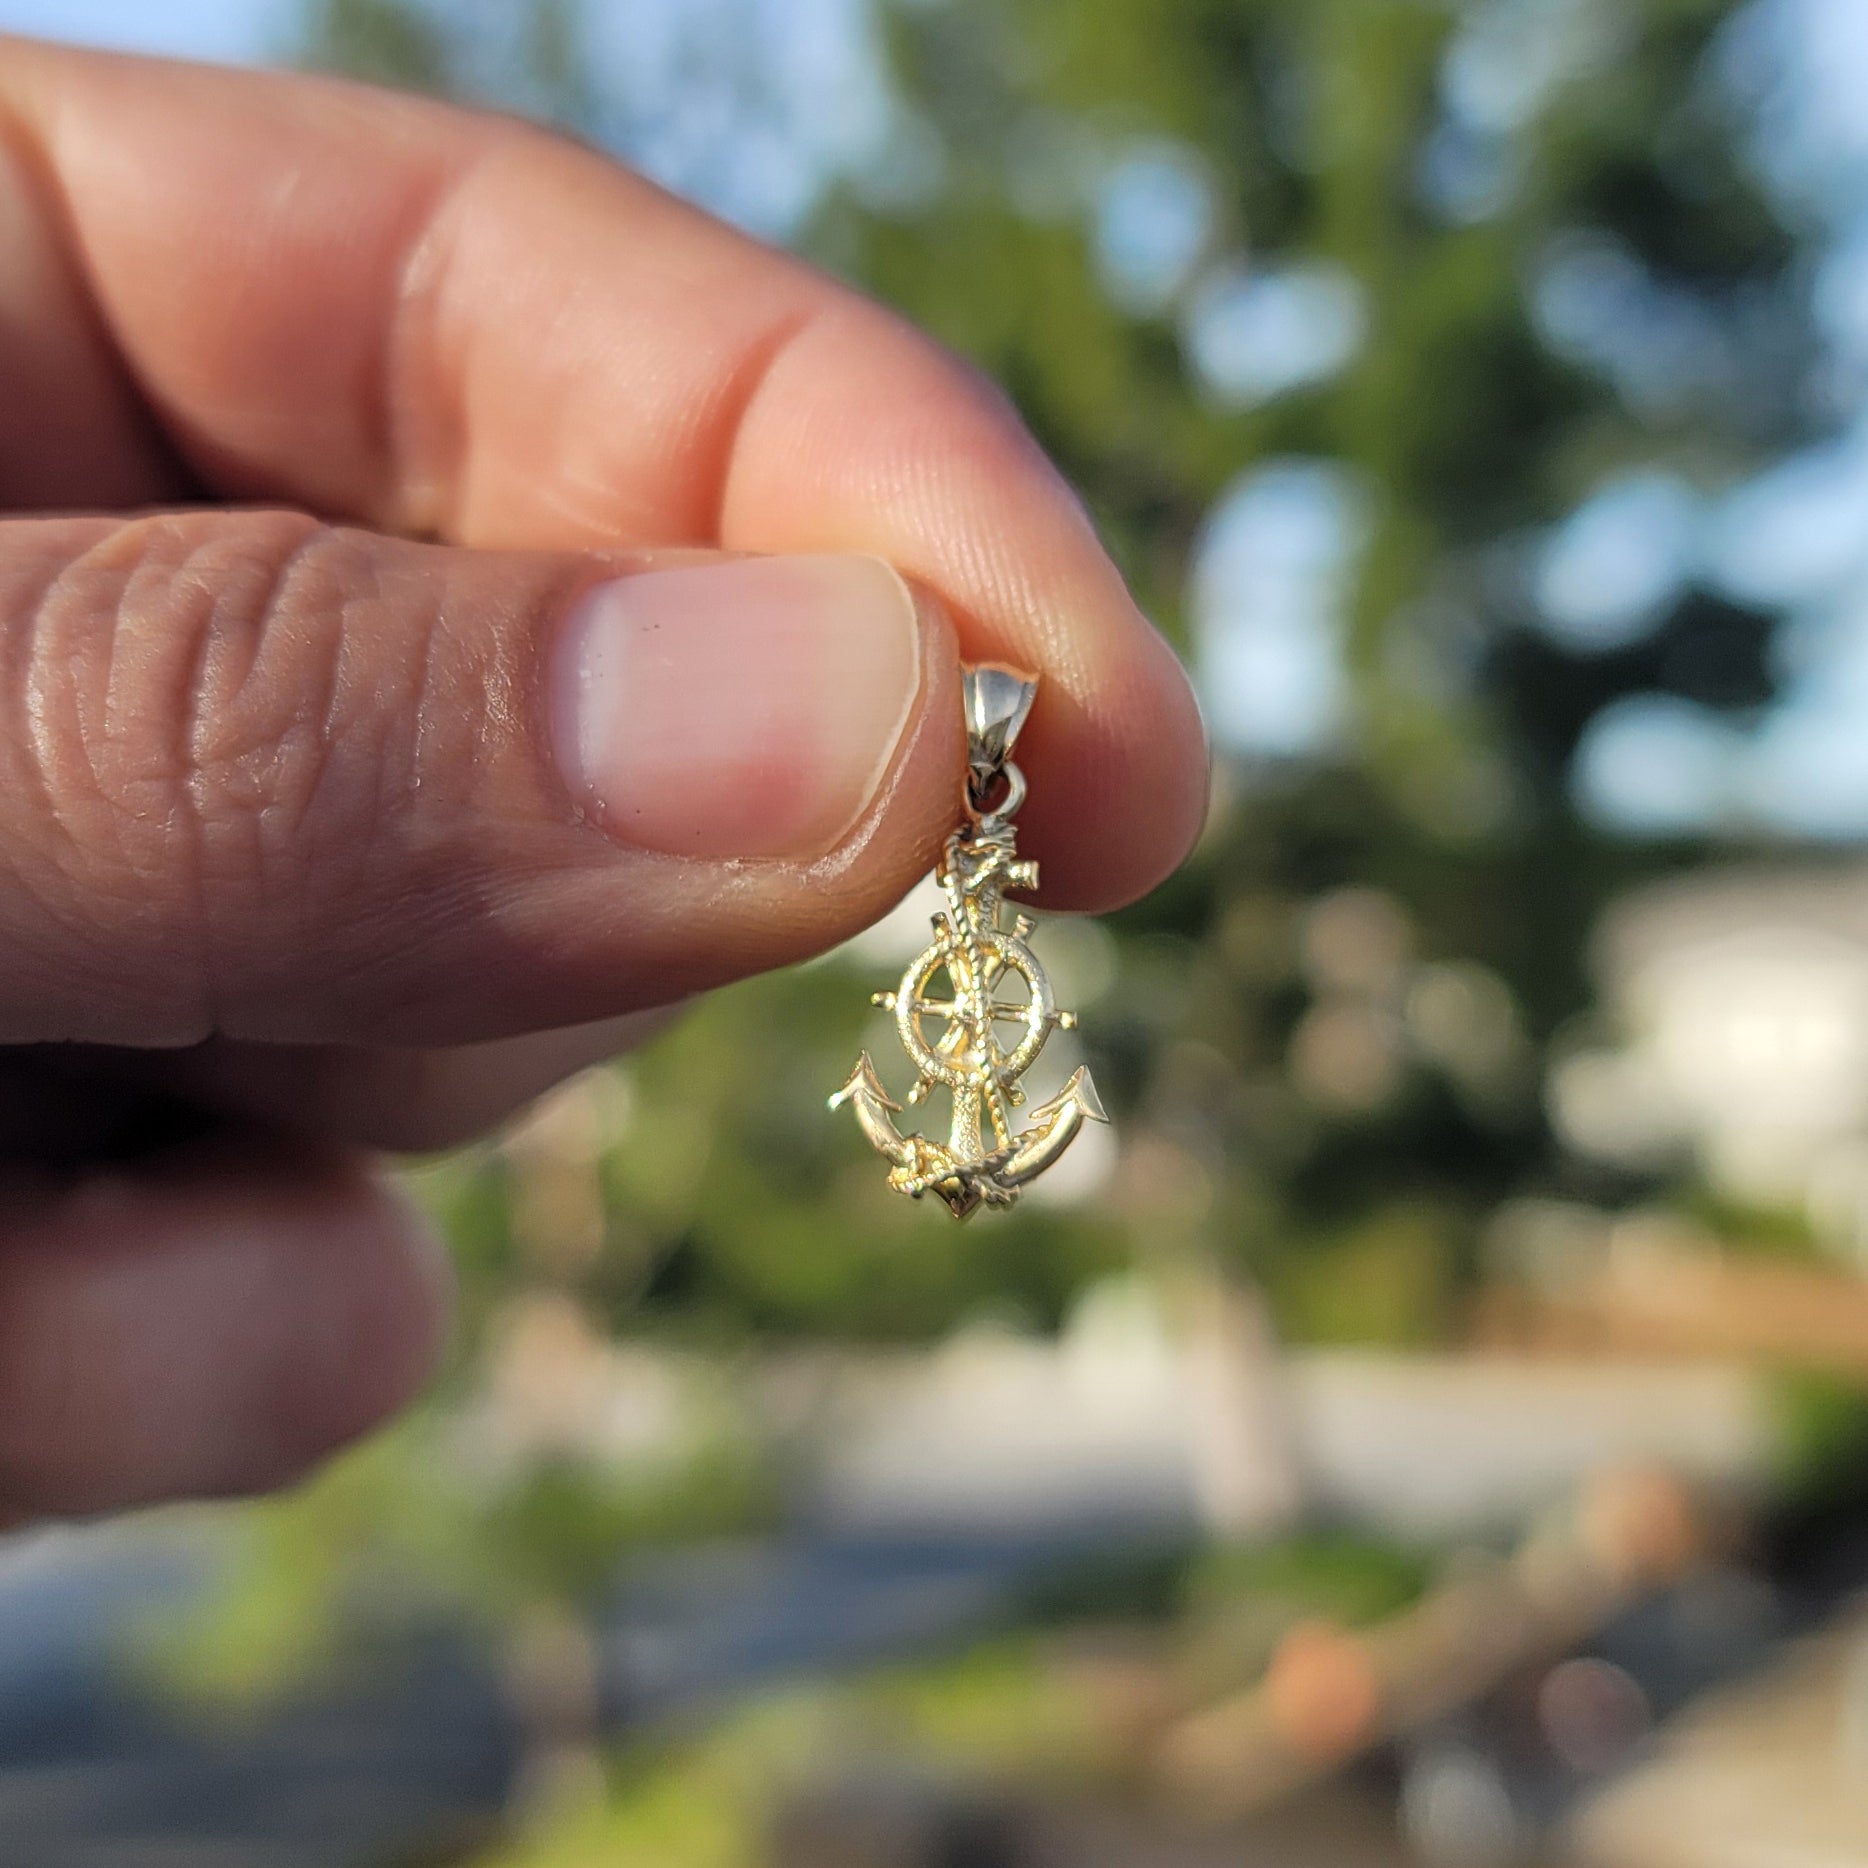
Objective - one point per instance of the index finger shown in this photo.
(432, 321)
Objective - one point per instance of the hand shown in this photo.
(315, 838)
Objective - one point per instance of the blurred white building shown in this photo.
(1737, 1015)
(1149, 1416)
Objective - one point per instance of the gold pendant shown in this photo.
(993, 986)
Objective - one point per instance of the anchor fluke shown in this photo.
(863, 1081)
(875, 1108)
(1054, 1127)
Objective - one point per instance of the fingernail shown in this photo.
(747, 707)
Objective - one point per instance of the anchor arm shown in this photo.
(874, 1110)
(1054, 1127)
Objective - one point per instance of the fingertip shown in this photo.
(1176, 727)
(374, 1311)
(214, 1322)
(954, 490)
(1119, 775)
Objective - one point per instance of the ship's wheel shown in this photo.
(964, 1038)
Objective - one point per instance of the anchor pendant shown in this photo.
(974, 1007)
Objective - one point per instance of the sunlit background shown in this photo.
(1434, 1429)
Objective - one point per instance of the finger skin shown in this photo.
(208, 1325)
(77, 432)
(68, 1104)
(402, 1100)
(264, 779)
(461, 326)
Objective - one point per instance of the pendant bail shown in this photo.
(997, 698)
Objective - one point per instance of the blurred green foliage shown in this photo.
(385, 42)
(1339, 1575)
(1822, 1423)
(1336, 1575)
(1748, 1229)
(1008, 1709)
(336, 1576)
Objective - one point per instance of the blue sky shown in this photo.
(218, 29)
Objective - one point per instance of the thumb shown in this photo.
(280, 780)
